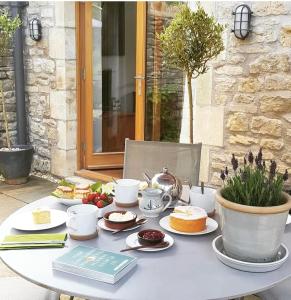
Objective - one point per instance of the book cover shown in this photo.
(95, 263)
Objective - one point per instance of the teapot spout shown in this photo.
(147, 178)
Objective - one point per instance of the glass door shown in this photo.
(114, 80)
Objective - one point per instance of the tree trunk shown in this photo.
(5, 116)
(189, 85)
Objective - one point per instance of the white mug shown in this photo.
(206, 200)
(126, 192)
(82, 220)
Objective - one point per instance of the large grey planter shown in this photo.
(252, 233)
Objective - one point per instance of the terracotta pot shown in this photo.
(252, 233)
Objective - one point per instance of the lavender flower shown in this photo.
(235, 165)
(273, 167)
(251, 157)
(233, 159)
(226, 171)
(245, 161)
(285, 175)
(260, 154)
(222, 175)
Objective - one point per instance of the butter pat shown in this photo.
(41, 216)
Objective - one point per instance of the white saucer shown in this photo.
(282, 256)
(24, 221)
(102, 225)
(211, 225)
(132, 241)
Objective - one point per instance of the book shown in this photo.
(95, 264)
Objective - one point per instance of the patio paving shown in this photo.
(15, 197)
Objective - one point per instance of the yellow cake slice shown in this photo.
(188, 219)
(41, 216)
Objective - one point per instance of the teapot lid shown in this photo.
(165, 178)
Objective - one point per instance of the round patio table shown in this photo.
(188, 270)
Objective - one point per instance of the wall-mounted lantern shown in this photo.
(35, 29)
(242, 21)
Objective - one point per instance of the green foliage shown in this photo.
(96, 187)
(191, 40)
(253, 184)
(8, 26)
(170, 126)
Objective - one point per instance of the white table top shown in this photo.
(188, 270)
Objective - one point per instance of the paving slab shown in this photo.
(36, 188)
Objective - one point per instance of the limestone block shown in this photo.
(275, 104)
(265, 125)
(242, 139)
(250, 48)
(243, 98)
(204, 164)
(272, 144)
(236, 59)
(204, 89)
(285, 37)
(288, 132)
(224, 84)
(41, 164)
(65, 13)
(238, 122)
(47, 12)
(278, 82)
(250, 85)
(215, 179)
(63, 163)
(70, 43)
(270, 63)
(57, 43)
(286, 158)
(217, 166)
(287, 117)
(269, 8)
(229, 70)
(221, 99)
(247, 108)
(208, 125)
(67, 135)
(65, 75)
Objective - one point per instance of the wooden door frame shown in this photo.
(85, 156)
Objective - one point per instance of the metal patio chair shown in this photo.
(182, 160)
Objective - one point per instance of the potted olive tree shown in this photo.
(254, 209)
(15, 161)
(188, 43)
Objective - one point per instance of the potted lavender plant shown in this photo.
(254, 209)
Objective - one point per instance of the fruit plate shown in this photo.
(281, 257)
(68, 202)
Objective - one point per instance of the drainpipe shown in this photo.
(16, 10)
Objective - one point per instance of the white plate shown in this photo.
(217, 246)
(211, 225)
(132, 241)
(69, 202)
(102, 225)
(24, 221)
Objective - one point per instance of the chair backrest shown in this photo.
(182, 160)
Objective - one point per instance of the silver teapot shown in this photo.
(166, 182)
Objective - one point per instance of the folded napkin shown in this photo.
(31, 241)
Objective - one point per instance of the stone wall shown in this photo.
(250, 85)
(50, 66)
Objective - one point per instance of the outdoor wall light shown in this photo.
(242, 21)
(35, 29)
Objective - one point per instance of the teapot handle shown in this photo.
(169, 202)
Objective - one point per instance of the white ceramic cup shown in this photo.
(126, 192)
(82, 220)
(205, 201)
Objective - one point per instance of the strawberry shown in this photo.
(103, 197)
(85, 201)
(91, 197)
(100, 204)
